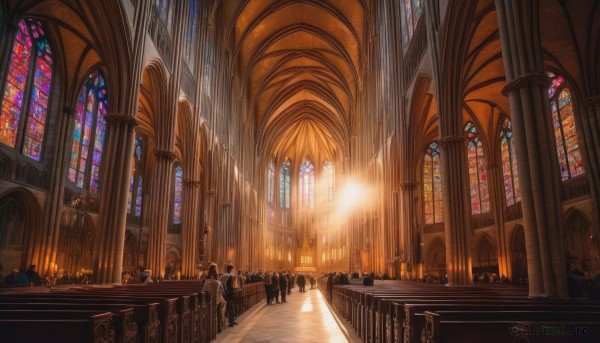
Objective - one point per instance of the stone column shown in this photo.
(190, 227)
(42, 247)
(526, 88)
(457, 211)
(110, 238)
(589, 114)
(159, 203)
(498, 204)
(408, 191)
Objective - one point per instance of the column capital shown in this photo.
(592, 100)
(165, 154)
(527, 80)
(449, 140)
(408, 185)
(121, 118)
(191, 182)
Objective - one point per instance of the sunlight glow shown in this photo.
(350, 196)
(307, 305)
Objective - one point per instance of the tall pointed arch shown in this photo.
(307, 185)
(26, 90)
(329, 178)
(432, 185)
(89, 134)
(510, 174)
(285, 185)
(478, 185)
(565, 131)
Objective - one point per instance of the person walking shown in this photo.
(283, 286)
(268, 282)
(275, 286)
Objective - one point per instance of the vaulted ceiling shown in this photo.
(299, 65)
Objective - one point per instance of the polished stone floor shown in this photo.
(305, 318)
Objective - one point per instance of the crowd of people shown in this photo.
(29, 277)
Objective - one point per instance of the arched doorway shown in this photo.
(173, 264)
(19, 215)
(435, 263)
(130, 254)
(518, 254)
(484, 255)
(580, 250)
(75, 244)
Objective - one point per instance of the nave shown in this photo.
(305, 318)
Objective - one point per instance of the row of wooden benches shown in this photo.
(159, 312)
(395, 311)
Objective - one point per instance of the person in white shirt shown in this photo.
(216, 290)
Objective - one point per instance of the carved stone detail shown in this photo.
(165, 154)
(449, 140)
(121, 118)
(528, 80)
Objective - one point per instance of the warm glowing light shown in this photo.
(350, 196)
(307, 306)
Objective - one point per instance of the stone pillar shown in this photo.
(42, 247)
(457, 210)
(498, 204)
(159, 203)
(526, 88)
(110, 238)
(190, 227)
(408, 191)
(589, 114)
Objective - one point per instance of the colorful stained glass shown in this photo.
(190, 34)
(565, 130)
(130, 194)
(177, 203)
(89, 134)
(480, 199)
(15, 85)
(285, 185)
(432, 185)
(307, 185)
(138, 198)
(135, 180)
(162, 6)
(18, 80)
(270, 183)
(509, 164)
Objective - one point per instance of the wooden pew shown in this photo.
(126, 330)
(505, 326)
(56, 326)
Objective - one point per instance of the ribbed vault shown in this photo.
(298, 64)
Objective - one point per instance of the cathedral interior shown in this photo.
(409, 139)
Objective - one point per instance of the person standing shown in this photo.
(275, 286)
(268, 281)
(283, 286)
(216, 291)
(229, 281)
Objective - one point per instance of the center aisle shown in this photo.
(305, 318)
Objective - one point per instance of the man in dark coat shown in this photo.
(275, 287)
(283, 286)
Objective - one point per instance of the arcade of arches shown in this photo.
(409, 138)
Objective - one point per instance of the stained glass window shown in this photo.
(329, 176)
(89, 134)
(284, 185)
(480, 198)
(271, 183)
(190, 34)
(432, 185)
(162, 6)
(177, 203)
(307, 185)
(565, 132)
(27, 88)
(135, 181)
(509, 164)
(412, 13)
